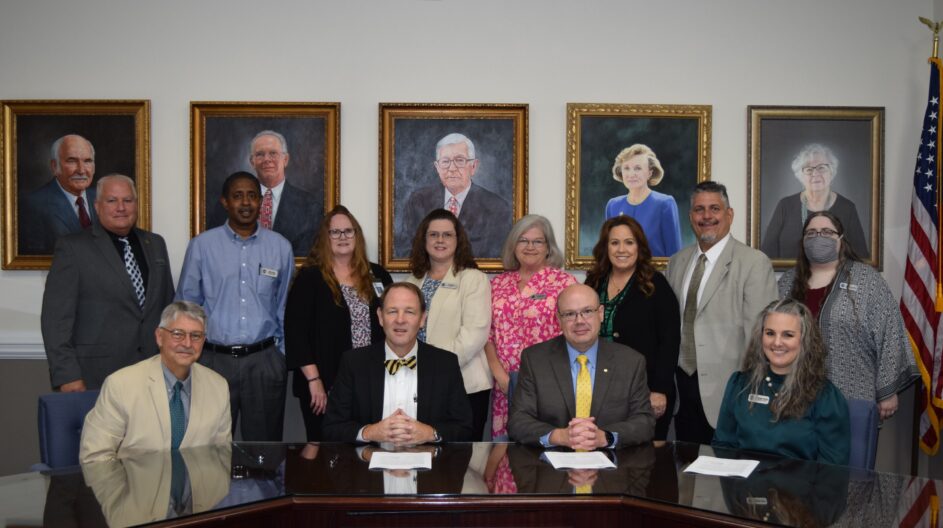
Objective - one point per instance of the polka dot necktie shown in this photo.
(130, 264)
(584, 388)
(178, 420)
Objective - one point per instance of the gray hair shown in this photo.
(807, 152)
(453, 139)
(54, 150)
(276, 135)
(185, 308)
(554, 255)
(710, 186)
(111, 177)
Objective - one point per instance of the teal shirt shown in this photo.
(823, 434)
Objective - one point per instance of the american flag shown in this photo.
(921, 296)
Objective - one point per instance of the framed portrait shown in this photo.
(468, 158)
(636, 160)
(53, 153)
(292, 148)
(804, 159)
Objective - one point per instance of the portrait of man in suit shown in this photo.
(104, 293)
(577, 390)
(484, 214)
(399, 390)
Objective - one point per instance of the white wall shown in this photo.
(728, 53)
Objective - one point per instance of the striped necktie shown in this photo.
(393, 365)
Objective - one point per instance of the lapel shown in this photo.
(424, 384)
(676, 274)
(153, 278)
(158, 391)
(443, 297)
(560, 363)
(196, 405)
(718, 274)
(605, 357)
(375, 380)
(107, 249)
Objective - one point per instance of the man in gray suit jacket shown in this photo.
(736, 283)
(545, 407)
(98, 316)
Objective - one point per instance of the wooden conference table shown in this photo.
(472, 484)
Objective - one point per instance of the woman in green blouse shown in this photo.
(781, 401)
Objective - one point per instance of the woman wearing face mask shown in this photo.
(869, 357)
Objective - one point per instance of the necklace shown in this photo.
(769, 383)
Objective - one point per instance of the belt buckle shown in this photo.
(238, 350)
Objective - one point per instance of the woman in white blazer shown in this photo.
(458, 302)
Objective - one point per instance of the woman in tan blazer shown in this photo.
(458, 300)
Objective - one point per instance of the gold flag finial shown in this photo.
(935, 28)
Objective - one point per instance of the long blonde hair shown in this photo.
(322, 258)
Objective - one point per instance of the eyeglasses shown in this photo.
(271, 154)
(819, 169)
(446, 236)
(341, 233)
(459, 163)
(571, 316)
(537, 242)
(824, 232)
(178, 335)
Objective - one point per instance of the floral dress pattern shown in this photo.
(521, 318)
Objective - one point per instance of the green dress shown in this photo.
(822, 434)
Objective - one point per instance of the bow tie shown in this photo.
(392, 365)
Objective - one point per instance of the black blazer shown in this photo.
(357, 397)
(652, 326)
(317, 331)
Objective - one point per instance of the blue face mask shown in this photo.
(821, 250)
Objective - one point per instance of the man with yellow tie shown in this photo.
(578, 391)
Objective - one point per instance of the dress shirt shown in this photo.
(241, 283)
(590, 354)
(71, 198)
(460, 197)
(712, 255)
(169, 381)
(276, 197)
(400, 389)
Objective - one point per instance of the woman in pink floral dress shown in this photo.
(523, 305)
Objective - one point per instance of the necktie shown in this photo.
(134, 271)
(688, 358)
(584, 388)
(178, 420)
(453, 206)
(393, 365)
(265, 215)
(178, 483)
(84, 219)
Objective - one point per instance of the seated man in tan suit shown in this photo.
(165, 402)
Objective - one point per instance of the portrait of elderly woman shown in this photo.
(816, 167)
(638, 168)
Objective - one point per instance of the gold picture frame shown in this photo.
(778, 137)
(119, 131)
(220, 137)
(679, 135)
(410, 186)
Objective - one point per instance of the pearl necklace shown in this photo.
(769, 383)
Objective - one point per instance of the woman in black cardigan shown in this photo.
(331, 308)
(641, 310)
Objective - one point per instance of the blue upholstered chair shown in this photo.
(863, 415)
(61, 416)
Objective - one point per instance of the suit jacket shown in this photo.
(47, 216)
(459, 321)
(298, 217)
(739, 287)
(132, 414)
(543, 399)
(91, 322)
(486, 217)
(357, 397)
(136, 490)
(317, 331)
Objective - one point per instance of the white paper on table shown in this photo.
(387, 460)
(722, 467)
(579, 460)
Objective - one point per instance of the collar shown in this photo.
(590, 353)
(460, 196)
(170, 380)
(276, 191)
(232, 235)
(714, 253)
(71, 197)
(392, 355)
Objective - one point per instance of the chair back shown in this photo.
(863, 415)
(61, 417)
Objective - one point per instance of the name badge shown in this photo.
(449, 286)
(757, 501)
(378, 288)
(268, 272)
(538, 296)
(758, 398)
(849, 287)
